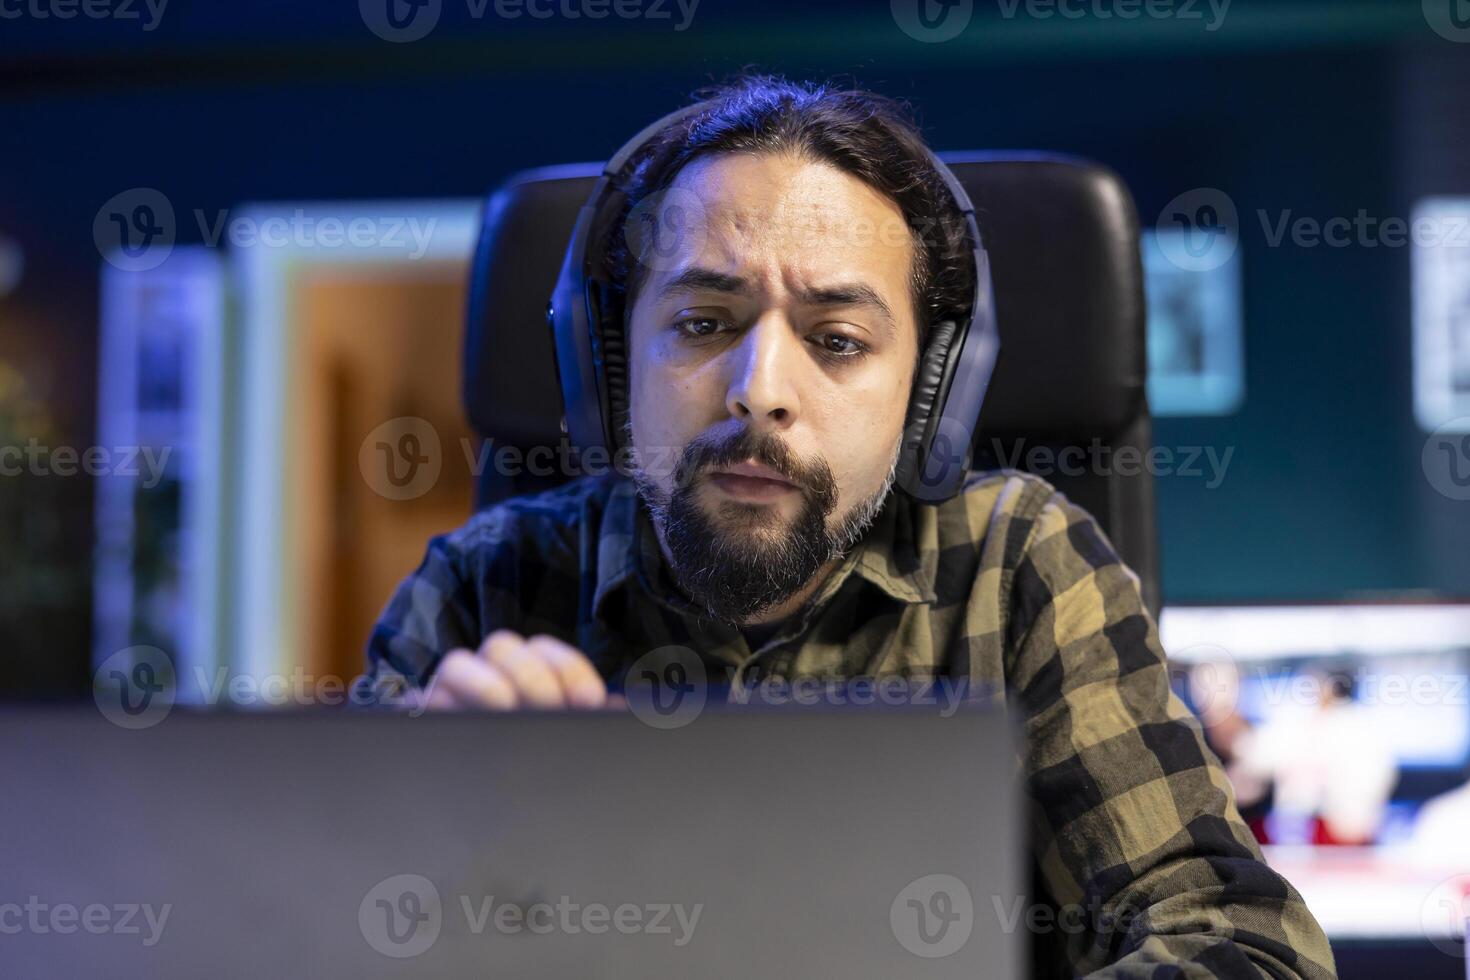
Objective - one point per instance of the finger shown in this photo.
(536, 684)
(580, 681)
(498, 638)
(502, 641)
(421, 699)
(473, 682)
(435, 697)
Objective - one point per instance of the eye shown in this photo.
(837, 345)
(696, 327)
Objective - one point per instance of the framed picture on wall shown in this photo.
(1195, 342)
(1441, 302)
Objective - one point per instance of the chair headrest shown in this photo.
(1062, 234)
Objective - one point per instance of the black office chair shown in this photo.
(1062, 234)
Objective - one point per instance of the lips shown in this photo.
(751, 482)
(754, 471)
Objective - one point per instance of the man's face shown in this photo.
(772, 346)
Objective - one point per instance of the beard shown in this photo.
(745, 559)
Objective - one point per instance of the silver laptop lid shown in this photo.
(767, 844)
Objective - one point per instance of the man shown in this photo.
(771, 353)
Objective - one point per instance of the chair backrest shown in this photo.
(1067, 400)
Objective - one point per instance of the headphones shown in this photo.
(591, 354)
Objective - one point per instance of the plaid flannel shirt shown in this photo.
(1010, 586)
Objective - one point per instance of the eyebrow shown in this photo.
(696, 278)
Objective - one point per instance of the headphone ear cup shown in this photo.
(605, 309)
(928, 380)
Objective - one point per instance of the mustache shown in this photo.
(811, 474)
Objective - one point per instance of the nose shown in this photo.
(763, 390)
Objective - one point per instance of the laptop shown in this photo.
(771, 843)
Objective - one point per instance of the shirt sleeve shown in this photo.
(425, 618)
(471, 582)
(1134, 823)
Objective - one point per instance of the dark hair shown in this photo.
(872, 137)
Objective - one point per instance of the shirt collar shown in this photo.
(617, 543)
(891, 555)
